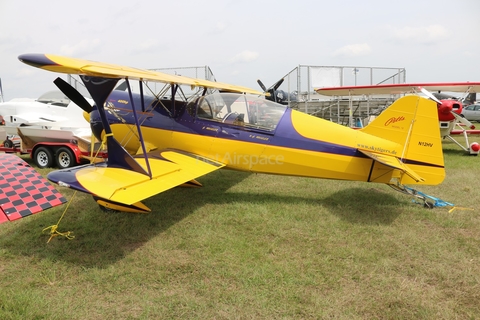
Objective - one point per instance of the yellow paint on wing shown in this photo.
(100, 69)
(128, 187)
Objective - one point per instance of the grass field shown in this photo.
(254, 246)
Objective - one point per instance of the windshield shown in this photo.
(56, 98)
(241, 110)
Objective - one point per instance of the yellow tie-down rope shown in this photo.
(53, 229)
(460, 208)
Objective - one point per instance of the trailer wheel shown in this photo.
(64, 158)
(43, 157)
(8, 143)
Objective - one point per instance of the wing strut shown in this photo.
(137, 124)
(100, 89)
(174, 92)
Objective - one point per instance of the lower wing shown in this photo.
(168, 168)
(23, 191)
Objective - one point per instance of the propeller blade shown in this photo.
(73, 95)
(262, 85)
(430, 95)
(278, 84)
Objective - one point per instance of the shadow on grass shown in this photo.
(104, 238)
(365, 206)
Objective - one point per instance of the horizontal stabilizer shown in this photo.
(169, 169)
(23, 191)
(393, 162)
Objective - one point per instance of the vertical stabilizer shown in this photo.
(471, 98)
(412, 122)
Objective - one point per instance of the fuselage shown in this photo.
(270, 138)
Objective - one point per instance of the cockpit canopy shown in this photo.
(238, 109)
(56, 98)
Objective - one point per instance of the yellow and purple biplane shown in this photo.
(156, 142)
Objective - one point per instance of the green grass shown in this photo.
(254, 246)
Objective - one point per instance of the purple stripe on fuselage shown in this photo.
(287, 136)
(284, 135)
(420, 163)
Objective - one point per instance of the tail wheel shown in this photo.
(64, 158)
(43, 157)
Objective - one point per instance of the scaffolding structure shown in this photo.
(199, 72)
(302, 81)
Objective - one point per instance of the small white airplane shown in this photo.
(53, 111)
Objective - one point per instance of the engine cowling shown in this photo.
(447, 107)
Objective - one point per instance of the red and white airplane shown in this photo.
(449, 109)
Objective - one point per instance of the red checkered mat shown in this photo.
(23, 191)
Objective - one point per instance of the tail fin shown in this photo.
(412, 122)
(470, 98)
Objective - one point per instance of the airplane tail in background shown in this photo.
(412, 122)
(471, 98)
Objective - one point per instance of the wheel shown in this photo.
(428, 205)
(64, 158)
(43, 157)
(101, 205)
(107, 210)
(8, 143)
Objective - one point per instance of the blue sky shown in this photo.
(242, 41)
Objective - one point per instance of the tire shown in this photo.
(107, 210)
(64, 158)
(43, 157)
(103, 208)
(8, 143)
(428, 205)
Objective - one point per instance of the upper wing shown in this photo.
(399, 88)
(169, 169)
(98, 69)
(23, 191)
